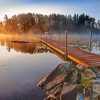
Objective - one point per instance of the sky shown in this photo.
(12, 7)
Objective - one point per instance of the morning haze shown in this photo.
(49, 50)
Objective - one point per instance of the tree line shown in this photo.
(52, 23)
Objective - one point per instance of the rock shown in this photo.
(62, 68)
(96, 88)
(48, 78)
(53, 83)
(88, 74)
(65, 81)
(75, 77)
(98, 97)
(67, 66)
(60, 79)
(70, 91)
(42, 83)
(90, 82)
(51, 97)
(56, 90)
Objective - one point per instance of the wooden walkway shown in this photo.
(78, 55)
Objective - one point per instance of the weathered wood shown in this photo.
(78, 55)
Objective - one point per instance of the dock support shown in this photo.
(46, 36)
(66, 53)
(59, 38)
(91, 33)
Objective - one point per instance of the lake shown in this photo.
(23, 64)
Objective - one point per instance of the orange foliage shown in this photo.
(0, 29)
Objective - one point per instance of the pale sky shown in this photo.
(11, 7)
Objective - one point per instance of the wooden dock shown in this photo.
(76, 54)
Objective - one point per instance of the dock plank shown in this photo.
(76, 54)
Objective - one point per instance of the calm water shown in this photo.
(22, 65)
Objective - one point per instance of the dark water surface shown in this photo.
(22, 65)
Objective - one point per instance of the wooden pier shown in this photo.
(76, 54)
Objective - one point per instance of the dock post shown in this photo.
(46, 34)
(59, 38)
(91, 33)
(66, 53)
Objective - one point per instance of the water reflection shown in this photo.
(95, 46)
(22, 65)
(27, 46)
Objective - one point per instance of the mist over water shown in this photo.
(78, 40)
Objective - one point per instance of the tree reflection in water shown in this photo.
(29, 45)
(23, 66)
